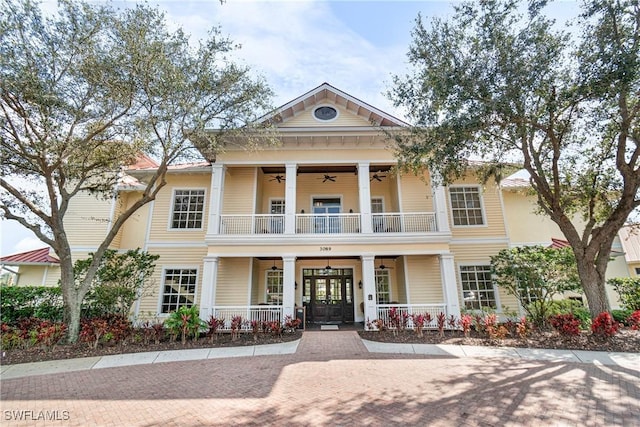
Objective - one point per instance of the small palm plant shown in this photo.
(185, 321)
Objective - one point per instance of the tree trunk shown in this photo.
(72, 313)
(593, 284)
(71, 297)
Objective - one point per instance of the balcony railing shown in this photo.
(406, 310)
(404, 222)
(349, 223)
(252, 224)
(260, 313)
(327, 223)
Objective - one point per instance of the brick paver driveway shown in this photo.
(331, 380)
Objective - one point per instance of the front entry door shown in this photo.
(329, 297)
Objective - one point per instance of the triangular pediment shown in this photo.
(350, 111)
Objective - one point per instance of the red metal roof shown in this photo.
(38, 256)
(143, 162)
(559, 244)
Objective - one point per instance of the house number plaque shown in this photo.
(325, 248)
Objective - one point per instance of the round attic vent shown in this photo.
(325, 113)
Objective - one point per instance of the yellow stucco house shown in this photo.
(319, 226)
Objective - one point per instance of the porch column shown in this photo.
(215, 199)
(288, 285)
(290, 198)
(369, 289)
(449, 285)
(364, 191)
(440, 206)
(209, 284)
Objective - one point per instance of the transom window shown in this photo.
(274, 286)
(179, 288)
(188, 209)
(465, 206)
(477, 287)
(383, 294)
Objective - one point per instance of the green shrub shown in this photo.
(185, 321)
(42, 302)
(621, 316)
(568, 306)
(629, 290)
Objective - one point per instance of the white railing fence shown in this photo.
(404, 222)
(327, 223)
(347, 223)
(405, 311)
(252, 224)
(260, 313)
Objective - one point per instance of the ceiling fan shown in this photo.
(377, 177)
(278, 178)
(328, 177)
(384, 267)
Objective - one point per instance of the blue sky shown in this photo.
(296, 45)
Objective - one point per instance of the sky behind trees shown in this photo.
(296, 45)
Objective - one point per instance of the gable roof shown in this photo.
(326, 92)
(37, 257)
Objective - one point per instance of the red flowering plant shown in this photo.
(452, 322)
(418, 323)
(441, 319)
(394, 320)
(522, 328)
(92, 331)
(236, 325)
(634, 320)
(255, 329)
(566, 325)
(465, 322)
(50, 334)
(213, 326)
(290, 324)
(603, 326)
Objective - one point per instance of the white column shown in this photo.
(364, 191)
(215, 199)
(449, 285)
(369, 289)
(440, 206)
(288, 285)
(290, 199)
(209, 284)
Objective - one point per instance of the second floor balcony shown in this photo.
(322, 224)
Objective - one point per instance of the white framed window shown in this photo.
(383, 286)
(466, 205)
(274, 286)
(637, 271)
(178, 288)
(478, 291)
(377, 205)
(187, 212)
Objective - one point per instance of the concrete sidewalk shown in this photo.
(626, 360)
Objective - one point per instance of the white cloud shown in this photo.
(29, 244)
(297, 46)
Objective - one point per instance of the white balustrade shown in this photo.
(259, 313)
(405, 311)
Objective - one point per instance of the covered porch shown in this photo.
(333, 290)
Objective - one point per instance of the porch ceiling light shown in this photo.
(274, 268)
(328, 267)
(382, 266)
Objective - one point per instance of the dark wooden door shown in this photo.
(331, 299)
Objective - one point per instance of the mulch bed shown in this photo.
(625, 341)
(70, 351)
